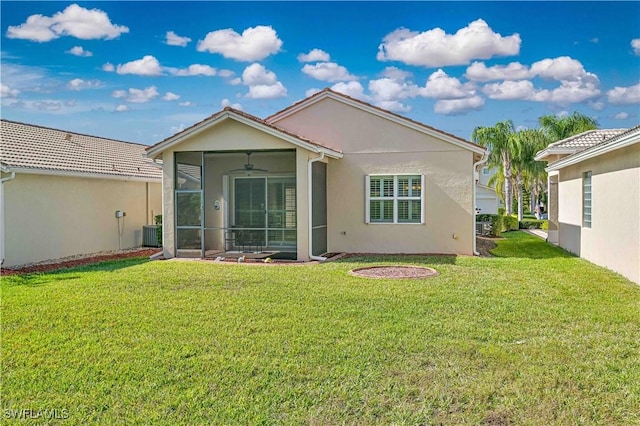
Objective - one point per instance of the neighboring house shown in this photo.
(60, 192)
(327, 174)
(594, 197)
(487, 201)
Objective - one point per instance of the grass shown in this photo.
(534, 336)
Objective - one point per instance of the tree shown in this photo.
(499, 140)
(562, 127)
(526, 170)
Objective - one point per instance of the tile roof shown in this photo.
(27, 146)
(587, 139)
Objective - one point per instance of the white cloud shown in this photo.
(395, 106)
(137, 95)
(80, 84)
(510, 90)
(562, 68)
(121, 108)
(74, 21)
(435, 48)
(225, 73)
(458, 106)
(264, 91)
(148, 66)
(185, 104)
(351, 88)
(170, 96)
(624, 95)
(635, 44)
(441, 86)
(328, 71)
(173, 39)
(79, 51)
(227, 103)
(256, 74)
(8, 92)
(253, 45)
(395, 73)
(195, 69)
(315, 55)
(263, 84)
(236, 81)
(478, 71)
(621, 116)
(108, 67)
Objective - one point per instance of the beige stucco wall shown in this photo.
(49, 217)
(613, 241)
(374, 145)
(225, 136)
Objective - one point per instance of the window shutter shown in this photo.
(423, 195)
(367, 202)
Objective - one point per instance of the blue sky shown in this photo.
(141, 71)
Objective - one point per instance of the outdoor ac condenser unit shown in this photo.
(150, 236)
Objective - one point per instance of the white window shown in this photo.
(394, 199)
(586, 199)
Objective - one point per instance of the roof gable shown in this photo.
(36, 149)
(576, 143)
(377, 111)
(229, 113)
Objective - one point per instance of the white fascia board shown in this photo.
(66, 173)
(545, 153)
(595, 151)
(382, 114)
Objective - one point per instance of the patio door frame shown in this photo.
(230, 194)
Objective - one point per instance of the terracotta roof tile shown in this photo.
(34, 147)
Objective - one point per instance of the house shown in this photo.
(594, 197)
(327, 174)
(61, 193)
(487, 201)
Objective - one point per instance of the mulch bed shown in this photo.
(77, 262)
(394, 272)
(484, 244)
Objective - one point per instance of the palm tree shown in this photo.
(561, 127)
(526, 169)
(499, 140)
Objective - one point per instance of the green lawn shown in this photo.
(534, 336)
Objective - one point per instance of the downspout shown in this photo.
(12, 176)
(483, 160)
(310, 199)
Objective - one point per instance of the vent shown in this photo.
(150, 236)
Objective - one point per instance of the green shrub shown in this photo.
(545, 225)
(510, 223)
(485, 217)
(501, 211)
(531, 224)
(158, 220)
(497, 225)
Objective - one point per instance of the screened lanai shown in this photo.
(236, 203)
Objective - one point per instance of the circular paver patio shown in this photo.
(394, 272)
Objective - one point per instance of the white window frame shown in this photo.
(587, 199)
(395, 198)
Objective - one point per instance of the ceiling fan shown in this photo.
(248, 167)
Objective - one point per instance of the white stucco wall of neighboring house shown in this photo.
(613, 240)
(50, 217)
(373, 145)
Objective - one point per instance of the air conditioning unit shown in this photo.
(150, 236)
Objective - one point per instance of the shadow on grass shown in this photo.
(399, 258)
(71, 273)
(518, 244)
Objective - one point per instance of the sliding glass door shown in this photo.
(264, 212)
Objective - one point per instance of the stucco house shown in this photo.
(327, 174)
(61, 190)
(487, 201)
(594, 197)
